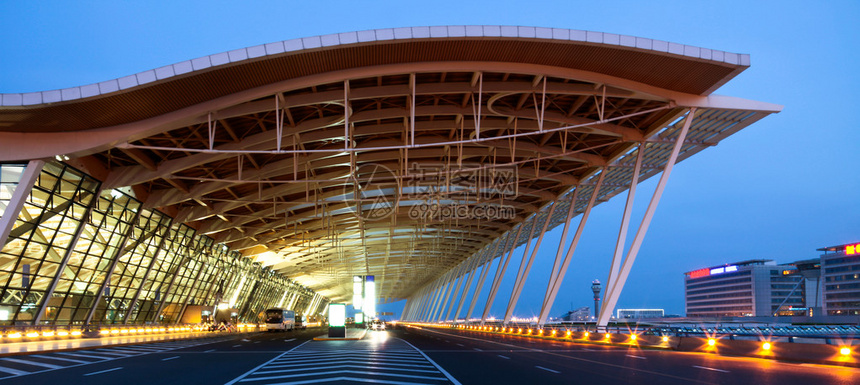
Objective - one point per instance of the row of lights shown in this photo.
(712, 342)
(111, 332)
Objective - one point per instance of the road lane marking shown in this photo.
(60, 359)
(170, 358)
(291, 339)
(601, 363)
(478, 349)
(507, 358)
(445, 372)
(632, 356)
(103, 371)
(236, 346)
(237, 379)
(714, 369)
(49, 366)
(12, 371)
(90, 356)
(459, 344)
(209, 351)
(547, 369)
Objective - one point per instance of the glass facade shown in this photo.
(79, 255)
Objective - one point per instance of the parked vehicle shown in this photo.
(280, 320)
(300, 323)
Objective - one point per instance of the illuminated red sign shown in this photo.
(700, 273)
(852, 249)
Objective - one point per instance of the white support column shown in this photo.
(455, 278)
(556, 279)
(613, 290)
(468, 284)
(625, 219)
(425, 303)
(521, 281)
(19, 197)
(481, 281)
(440, 286)
(500, 270)
(416, 301)
(419, 305)
(444, 299)
(420, 310)
(458, 299)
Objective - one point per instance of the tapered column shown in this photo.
(613, 288)
(557, 277)
(19, 197)
(521, 279)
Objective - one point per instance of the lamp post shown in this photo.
(595, 288)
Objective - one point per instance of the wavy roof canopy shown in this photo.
(273, 149)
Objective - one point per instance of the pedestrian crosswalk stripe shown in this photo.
(60, 359)
(33, 363)
(394, 362)
(48, 361)
(15, 372)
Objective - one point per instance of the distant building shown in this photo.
(581, 314)
(841, 275)
(639, 313)
(749, 288)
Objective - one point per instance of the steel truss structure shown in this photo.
(418, 155)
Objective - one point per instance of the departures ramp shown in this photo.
(405, 356)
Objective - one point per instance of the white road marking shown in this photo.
(291, 339)
(507, 358)
(714, 369)
(478, 349)
(49, 366)
(548, 370)
(60, 359)
(459, 344)
(12, 371)
(209, 351)
(632, 356)
(445, 372)
(90, 356)
(103, 371)
(237, 379)
(236, 346)
(170, 358)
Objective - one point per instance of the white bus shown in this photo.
(280, 319)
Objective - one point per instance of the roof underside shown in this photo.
(322, 162)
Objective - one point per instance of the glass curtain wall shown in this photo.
(10, 175)
(78, 255)
(40, 238)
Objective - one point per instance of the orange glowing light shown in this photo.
(665, 339)
(852, 249)
(585, 335)
(766, 346)
(712, 342)
(633, 337)
(845, 351)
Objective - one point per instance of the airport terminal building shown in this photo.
(755, 287)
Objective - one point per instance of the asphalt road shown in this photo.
(479, 358)
(426, 356)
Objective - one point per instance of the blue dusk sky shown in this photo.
(778, 190)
